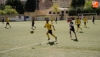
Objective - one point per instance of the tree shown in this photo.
(2, 6)
(9, 2)
(77, 3)
(8, 10)
(80, 2)
(73, 3)
(30, 5)
(37, 6)
(16, 4)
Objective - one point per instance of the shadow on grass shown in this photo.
(76, 40)
(81, 32)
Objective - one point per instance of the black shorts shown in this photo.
(72, 29)
(50, 31)
(92, 20)
(32, 24)
(84, 22)
(7, 23)
(78, 25)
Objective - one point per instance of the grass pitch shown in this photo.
(19, 42)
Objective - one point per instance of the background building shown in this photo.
(2, 1)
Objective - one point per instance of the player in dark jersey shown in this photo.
(93, 19)
(33, 22)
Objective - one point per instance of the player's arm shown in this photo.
(45, 26)
(53, 27)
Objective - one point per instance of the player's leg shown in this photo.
(6, 25)
(85, 25)
(53, 35)
(9, 25)
(93, 21)
(35, 27)
(77, 27)
(75, 35)
(48, 35)
(70, 34)
(80, 27)
(32, 25)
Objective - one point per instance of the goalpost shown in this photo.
(88, 15)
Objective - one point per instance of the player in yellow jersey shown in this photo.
(7, 22)
(85, 20)
(49, 27)
(78, 22)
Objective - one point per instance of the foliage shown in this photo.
(9, 2)
(86, 9)
(2, 6)
(30, 5)
(98, 10)
(8, 10)
(72, 12)
(77, 3)
(16, 4)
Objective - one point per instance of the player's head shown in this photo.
(47, 21)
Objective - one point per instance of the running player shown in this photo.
(56, 19)
(93, 19)
(2, 20)
(33, 22)
(7, 22)
(85, 20)
(52, 18)
(49, 27)
(78, 22)
(71, 25)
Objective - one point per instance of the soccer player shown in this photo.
(33, 22)
(2, 20)
(78, 22)
(49, 27)
(93, 19)
(56, 19)
(7, 22)
(68, 20)
(71, 25)
(85, 20)
(52, 18)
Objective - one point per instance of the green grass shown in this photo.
(19, 36)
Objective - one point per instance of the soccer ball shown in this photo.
(51, 43)
(31, 32)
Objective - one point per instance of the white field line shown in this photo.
(22, 47)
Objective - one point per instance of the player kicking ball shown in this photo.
(49, 27)
(33, 22)
(71, 25)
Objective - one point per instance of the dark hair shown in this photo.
(47, 20)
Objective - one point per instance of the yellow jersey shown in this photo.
(77, 21)
(7, 20)
(48, 26)
(85, 19)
